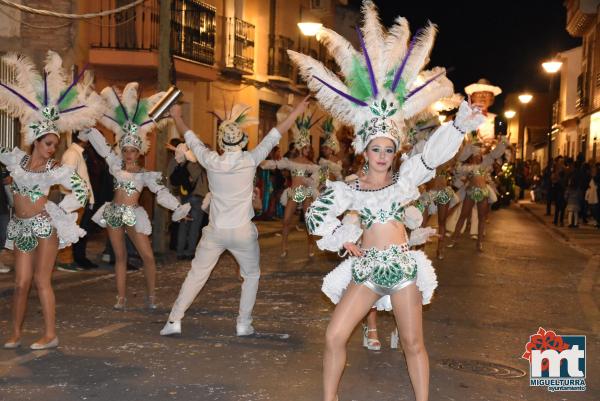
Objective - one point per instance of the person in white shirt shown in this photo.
(73, 157)
(230, 180)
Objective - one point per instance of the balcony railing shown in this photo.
(133, 29)
(279, 61)
(240, 45)
(193, 30)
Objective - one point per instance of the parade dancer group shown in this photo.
(375, 219)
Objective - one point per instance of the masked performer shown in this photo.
(230, 179)
(127, 117)
(47, 106)
(384, 86)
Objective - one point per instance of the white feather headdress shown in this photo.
(127, 116)
(329, 127)
(230, 134)
(301, 127)
(384, 86)
(46, 103)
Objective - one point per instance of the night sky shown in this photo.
(506, 46)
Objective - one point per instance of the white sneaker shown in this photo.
(244, 330)
(105, 257)
(4, 268)
(171, 328)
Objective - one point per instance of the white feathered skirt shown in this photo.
(117, 215)
(338, 280)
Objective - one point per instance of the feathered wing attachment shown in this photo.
(48, 102)
(127, 115)
(384, 85)
(329, 127)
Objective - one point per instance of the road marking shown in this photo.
(25, 358)
(104, 330)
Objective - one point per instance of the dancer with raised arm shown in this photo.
(330, 162)
(230, 179)
(381, 264)
(47, 107)
(127, 117)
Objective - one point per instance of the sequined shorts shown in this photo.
(116, 215)
(25, 232)
(385, 271)
(443, 196)
(301, 193)
(477, 194)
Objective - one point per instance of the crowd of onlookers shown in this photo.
(571, 185)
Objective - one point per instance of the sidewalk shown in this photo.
(586, 236)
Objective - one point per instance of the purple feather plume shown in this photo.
(406, 56)
(368, 60)
(72, 85)
(23, 98)
(73, 108)
(430, 80)
(342, 94)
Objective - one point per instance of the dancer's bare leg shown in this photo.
(309, 238)
(408, 313)
(465, 213)
(442, 212)
(288, 214)
(117, 241)
(372, 324)
(23, 278)
(354, 305)
(144, 248)
(482, 211)
(45, 257)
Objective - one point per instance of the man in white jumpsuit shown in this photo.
(230, 179)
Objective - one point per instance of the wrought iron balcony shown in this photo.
(279, 61)
(239, 50)
(193, 29)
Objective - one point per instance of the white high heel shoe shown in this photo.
(394, 340)
(371, 344)
(121, 302)
(48, 345)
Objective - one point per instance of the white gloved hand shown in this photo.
(468, 118)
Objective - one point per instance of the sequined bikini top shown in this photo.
(296, 172)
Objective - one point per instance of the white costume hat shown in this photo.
(301, 127)
(46, 104)
(329, 127)
(483, 85)
(384, 86)
(230, 136)
(127, 116)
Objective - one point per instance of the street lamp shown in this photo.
(310, 28)
(524, 99)
(551, 67)
(509, 114)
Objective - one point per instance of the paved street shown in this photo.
(486, 307)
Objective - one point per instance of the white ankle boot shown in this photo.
(171, 328)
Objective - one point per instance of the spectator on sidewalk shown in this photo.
(592, 194)
(4, 212)
(572, 196)
(547, 188)
(559, 176)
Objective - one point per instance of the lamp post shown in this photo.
(551, 67)
(509, 115)
(524, 98)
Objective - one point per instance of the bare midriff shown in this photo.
(121, 198)
(383, 235)
(25, 208)
(477, 181)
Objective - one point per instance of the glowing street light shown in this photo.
(552, 66)
(310, 28)
(525, 98)
(509, 114)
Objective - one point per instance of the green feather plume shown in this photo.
(142, 113)
(358, 80)
(68, 99)
(120, 116)
(401, 91)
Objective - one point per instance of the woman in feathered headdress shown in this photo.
(127, 116)
(330, 147)
(47, 106)
(303, 170)
(384, 87)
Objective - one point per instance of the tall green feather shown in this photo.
(67, 100)
(142, 112)
(358, 80)
(401, 91)
(120, 116)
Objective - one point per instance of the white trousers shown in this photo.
(242, 242)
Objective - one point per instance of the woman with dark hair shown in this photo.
(39, 227)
